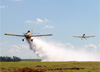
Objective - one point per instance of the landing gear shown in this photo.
(22, 39)
(27, 38)
(31, 39)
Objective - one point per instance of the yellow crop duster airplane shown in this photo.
(83, 36)
(28, 35)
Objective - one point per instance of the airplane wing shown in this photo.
(14, 35)
(89, 36)
(78, 36)
(35, 33)
(41, 35)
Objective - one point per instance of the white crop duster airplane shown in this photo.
(28, 35)
(83, 36)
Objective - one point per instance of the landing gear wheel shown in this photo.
(31, 39)
(22, 39)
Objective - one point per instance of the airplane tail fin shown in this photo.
(32, 31)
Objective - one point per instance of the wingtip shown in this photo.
(5, 34)
(93, 35)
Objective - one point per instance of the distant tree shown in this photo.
(9, 59)
(16, 58)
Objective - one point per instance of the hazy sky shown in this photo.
(62, 18)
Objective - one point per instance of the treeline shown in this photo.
(9, 59)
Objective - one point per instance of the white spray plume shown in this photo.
(50, 51)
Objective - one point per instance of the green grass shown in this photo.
(50, 66)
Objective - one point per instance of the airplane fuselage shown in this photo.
(28, 35)
(83, 36)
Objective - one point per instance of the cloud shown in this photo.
(69, 45)
(23, 46)
(46, 20)
(15, 46)
(66, 45)
(17, 49)
(38, 21)
(3, 6)
(20, 46)
(91, 46)
(17, 0)
(14, 50)
(20, 50)
(48, 27)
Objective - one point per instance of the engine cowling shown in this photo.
(28, 31)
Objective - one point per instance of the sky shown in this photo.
(62, 18)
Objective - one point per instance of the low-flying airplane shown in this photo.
(29, 34)
(83, 36)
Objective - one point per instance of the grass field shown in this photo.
(50, 66)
